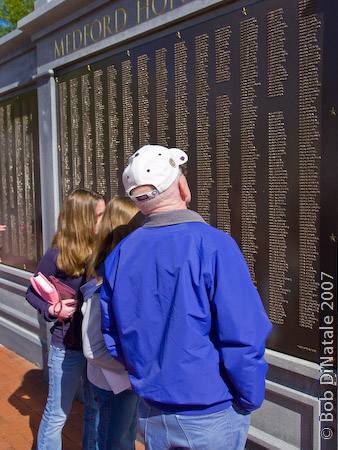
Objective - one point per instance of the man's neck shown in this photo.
(165, 208)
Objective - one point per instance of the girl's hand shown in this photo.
(64, 309)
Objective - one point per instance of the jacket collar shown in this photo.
(171, 218)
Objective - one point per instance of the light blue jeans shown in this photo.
(117, 426)
(66, 369)
(224, 430)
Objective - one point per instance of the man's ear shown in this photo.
(184, 189)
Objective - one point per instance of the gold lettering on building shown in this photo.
(95, 29)
(158, 7)
(158, 13)
(77, 42)
(117, 21)
(85, 34)
(59, 50)
(98, 29)
(141, 8)
(67, 43)
(108, 25)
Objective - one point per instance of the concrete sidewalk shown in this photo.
(23, 393)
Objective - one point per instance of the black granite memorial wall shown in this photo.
(242, 92)
(20, 211)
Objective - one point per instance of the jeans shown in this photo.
(224, 430)
(117, 426)
(66, 369)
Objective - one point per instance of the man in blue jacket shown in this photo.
(179, 309)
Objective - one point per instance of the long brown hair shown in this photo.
(75, 233)
(119, 211)
(120, 218)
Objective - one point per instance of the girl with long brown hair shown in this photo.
(109, 380)
(66, 260)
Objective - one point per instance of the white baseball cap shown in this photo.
(153, 165)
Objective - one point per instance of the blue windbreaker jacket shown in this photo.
(179, 309)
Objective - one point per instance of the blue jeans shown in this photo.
(224, 430)
(66, 369)
(117, 426)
